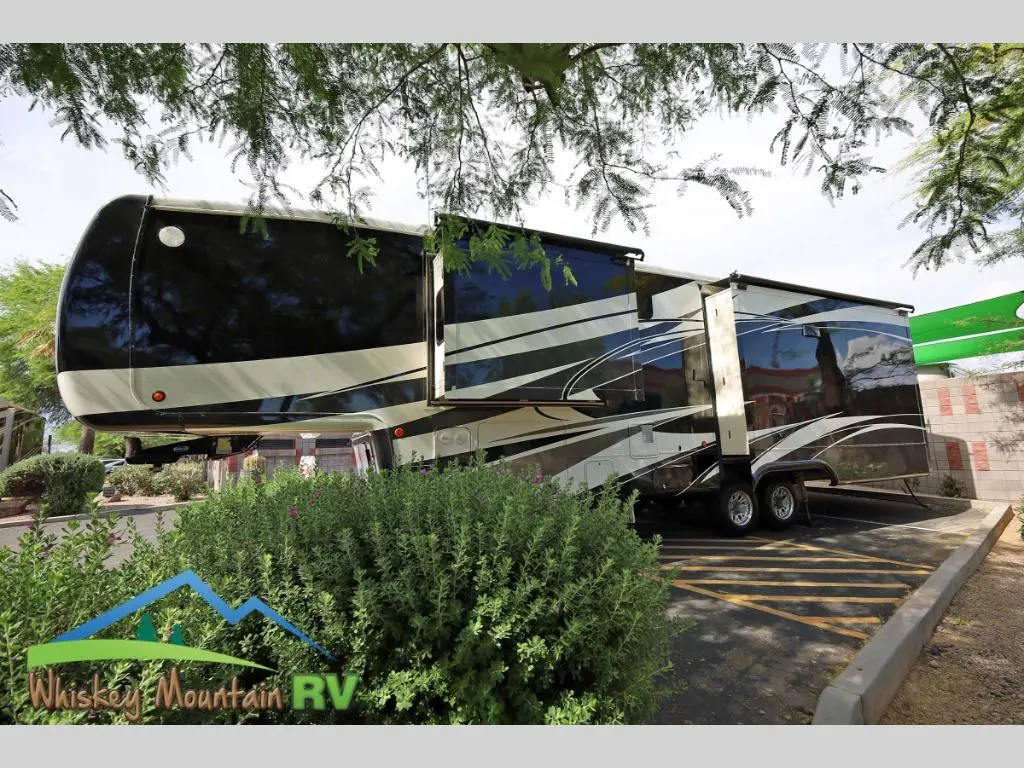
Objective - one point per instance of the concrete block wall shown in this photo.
(331, 457)
(975, 434)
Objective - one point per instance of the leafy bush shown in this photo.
(62, 482)
(952, 487)
(255, 467)
(1020, 516)
(462, 596)
(457, 597)
(50, 586)
(183, 479)
(26, 478)
(133, 480)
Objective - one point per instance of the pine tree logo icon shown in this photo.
(146, 632)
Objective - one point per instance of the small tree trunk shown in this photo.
(88, 440)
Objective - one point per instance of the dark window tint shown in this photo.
(276, 445)
(333, 442)
(784, 376)
(482, 294)
(93, 329)
(791, 377)
(647, 285)
(591, 358)
(224, 296)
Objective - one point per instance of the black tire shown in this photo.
(779, 503)
(737, 508)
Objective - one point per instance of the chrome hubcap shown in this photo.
(741, 508)
(782, 503)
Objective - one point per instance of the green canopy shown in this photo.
(990, 327)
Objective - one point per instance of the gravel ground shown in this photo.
(972, 669)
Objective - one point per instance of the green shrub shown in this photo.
(62, 482)
(459, 596)
(133, 480)
(462, 596)
(25, 478)
(952, 487)
(183, 479)
(255, 467)
(51, 586)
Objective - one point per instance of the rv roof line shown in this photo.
(737, 277)
(309, 214)
(554, 237)
(284, 212)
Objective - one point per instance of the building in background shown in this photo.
(21, 433)
(328, 452)
(974, 416)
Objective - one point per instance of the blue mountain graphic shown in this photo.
(186, 579)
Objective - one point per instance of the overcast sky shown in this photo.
(794, 234)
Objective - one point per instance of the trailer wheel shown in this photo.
(779, 502)
(737, 508)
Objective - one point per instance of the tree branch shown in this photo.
(967, 132)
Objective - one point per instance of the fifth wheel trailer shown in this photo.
(174, 317)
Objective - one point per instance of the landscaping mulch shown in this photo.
(972, 669)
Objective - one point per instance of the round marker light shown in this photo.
(159, 396)
(172, 237)
(399, 432)
(704, 444)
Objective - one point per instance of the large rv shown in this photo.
(177, 317)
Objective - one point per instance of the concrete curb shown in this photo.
(863, 691)
(120, 511)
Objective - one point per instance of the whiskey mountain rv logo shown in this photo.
(52, 692)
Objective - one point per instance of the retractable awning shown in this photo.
(990, 327)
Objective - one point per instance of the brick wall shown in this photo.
(975, 434)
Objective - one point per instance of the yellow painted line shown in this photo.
(847, 619)
(739, 569)
(817, 599)
(798, 583)
(872, 558)
(771, 611)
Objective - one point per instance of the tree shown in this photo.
(177, 636)
(28, 312)
(28, 309)
(108, 444)
(146, 630)
(483, 122)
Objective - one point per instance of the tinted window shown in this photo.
(675, 373)
(856, 368)
(483, 294)
(589, 356)
(93, 329)
(224, 296)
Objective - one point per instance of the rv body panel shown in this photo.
(276, 331)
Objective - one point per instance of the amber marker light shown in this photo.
(159, 396)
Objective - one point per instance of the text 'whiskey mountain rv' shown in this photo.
(174, 318)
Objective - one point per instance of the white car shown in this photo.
(109, 465)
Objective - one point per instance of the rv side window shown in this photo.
(511, 339)
(289, 289)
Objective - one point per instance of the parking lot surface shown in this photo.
(777, 614)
